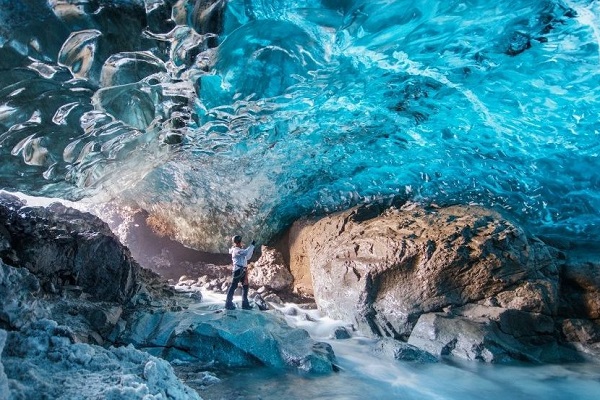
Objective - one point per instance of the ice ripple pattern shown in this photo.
(244, 115)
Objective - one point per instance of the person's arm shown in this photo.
(249, 250)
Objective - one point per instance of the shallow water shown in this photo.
(365, 374)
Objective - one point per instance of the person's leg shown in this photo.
(245, 286)
(234, 283)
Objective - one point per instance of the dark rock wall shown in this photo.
(63, 246)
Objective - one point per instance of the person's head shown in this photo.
(237, 240)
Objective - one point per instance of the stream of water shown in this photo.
(365, 374)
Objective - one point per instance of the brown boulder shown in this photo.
(270, 271)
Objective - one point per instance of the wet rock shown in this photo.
(231, 339)
(270, 271)
(260, 302)
(341, 332)
(384, 272)
(273, 298)
(581, 330)
(402, 351)
(61, 245)
(490, 334)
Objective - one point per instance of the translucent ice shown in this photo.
(245, 115)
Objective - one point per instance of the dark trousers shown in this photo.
(239, 275)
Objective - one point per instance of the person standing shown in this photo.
(239, 257)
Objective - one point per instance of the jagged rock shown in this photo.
(64, 246)
(383, 272)
(583, 331)
(40, 362)
(231, 339)
(341, 332)
(580, 290)
(402, 351)
(17, 302)
(270, 271)
(490, 334)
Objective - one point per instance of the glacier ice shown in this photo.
(245, 115)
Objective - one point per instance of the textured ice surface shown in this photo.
(305, 106)
(42, 362)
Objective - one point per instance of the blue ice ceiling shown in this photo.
(242, 116)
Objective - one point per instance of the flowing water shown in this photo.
(368, 374)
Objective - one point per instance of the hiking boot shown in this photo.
(229, 306)
(246, 306)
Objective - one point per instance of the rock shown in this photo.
(341, 333)
(3, 377)
(64, 246)
(270, 271)
(583, 331)
(260, 302)
(490, 334)
(580, 290)
(231, 339)
(103, 319)
(273, 298)
(18, 306)
(397, 350)
(382, 272)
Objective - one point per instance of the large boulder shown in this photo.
(384, 271)
(270, 271)
(62, 246)
(490, 334)
(229, 339)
